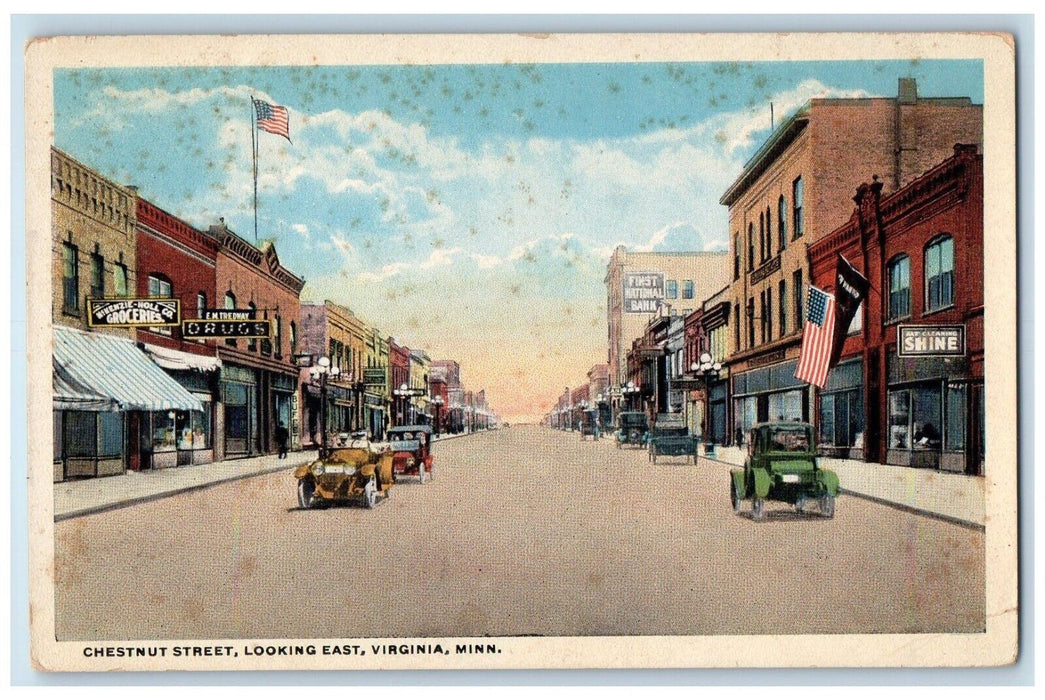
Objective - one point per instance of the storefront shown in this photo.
(106, 392)
(768, 394)
(282, 389)
(376, 421)
(187, 436)
(842, 424)
(716, 412)
(239, 393)
(933, 408)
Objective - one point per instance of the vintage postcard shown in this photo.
(491, 352)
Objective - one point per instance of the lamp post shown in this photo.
(630, 391)
(706, 369)
(437, 401)
(402, 394)
(322, 371)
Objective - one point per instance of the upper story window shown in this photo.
(687, 289)
(751, 246)
(278, 337)
(939, 273)
(900, 287)
(252, 343)
(672, 291)
(70, 279)
(857, 324)
(201, 304)
(293, 338)
(119, 274)
(160, 287)
(782, 308)
(736, 257)
(230, 303)
(769, 233)
(736, 327)
(97, 275)
(796, 198)
(781, 223)
(761, 237)
(796, 291)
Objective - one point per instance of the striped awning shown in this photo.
(70, 396)
(114, 369)
(178, 360)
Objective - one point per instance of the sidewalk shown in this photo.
(955, 497)
(73, 499)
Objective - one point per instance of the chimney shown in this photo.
(907, 91)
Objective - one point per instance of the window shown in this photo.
(160, 287)
(672, 291)
(762, 315)
(769, 314)
(70, 279)
(736, 327)
(750, 247)
(939, 274)
(761, 237)
(201, 304)
(252, 343)
(782, 306)
(751, 322)
(796, 291)
(781, 224)
(796, 198)
(900, 288)
(736, 257)
(230, 303)
(97, 275)
(857, 324)
(915, 417)
(278, 340)
(842, 419)
(293, 338)
(687, 289)
(119, 273)
(769, 233)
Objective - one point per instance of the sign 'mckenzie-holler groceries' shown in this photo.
(133, 312)
(227, 323)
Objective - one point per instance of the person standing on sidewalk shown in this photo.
(282, 437)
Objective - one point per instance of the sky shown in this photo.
(468, 210)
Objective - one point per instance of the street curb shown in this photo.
(116, 505)
(892, 504)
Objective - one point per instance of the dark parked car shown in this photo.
(670, 436)
(632, 427)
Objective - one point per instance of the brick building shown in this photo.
(793, 192)
(177, 261)
(921, 247)
(714, 322)
(399, 368)
(448, 373)
(259, 380)
(377, 381)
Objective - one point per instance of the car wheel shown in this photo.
(306, 492)
(421, 476)
(734, 497)
(370, 493)
(827, 505)
(758, 508)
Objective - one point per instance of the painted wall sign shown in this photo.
(930, 341)
(131, 313)
(643, 292)
(198, 328)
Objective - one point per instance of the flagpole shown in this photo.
(254, 154)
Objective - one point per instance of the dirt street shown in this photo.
(523, 531)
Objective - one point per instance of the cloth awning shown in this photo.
(69, 395)
(113, 368)
(179, 360)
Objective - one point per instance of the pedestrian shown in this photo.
(282, 437)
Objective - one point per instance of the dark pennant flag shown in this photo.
(850, 289)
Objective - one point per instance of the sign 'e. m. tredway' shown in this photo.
(643, 292)
(930, 341)
(132, 313)
(227, 323)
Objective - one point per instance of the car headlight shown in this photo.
(411, 462)
(319, 469)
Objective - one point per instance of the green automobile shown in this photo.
(782, 466)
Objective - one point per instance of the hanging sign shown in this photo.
(132, 313)
(930, 341)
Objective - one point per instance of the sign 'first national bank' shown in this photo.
(643, 292)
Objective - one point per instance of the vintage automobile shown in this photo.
(782, 466)
(360, 472)
(632, 427)
(589, 426)
(669, 436)
(411, 451)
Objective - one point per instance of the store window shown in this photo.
(899, 288)
(954, 435)
(796, 198)
(687, 289)
(672, 291)
(745, 415)
(939, 273)
(781, 223)
(915, 417)
(70, 279)
(842, 410)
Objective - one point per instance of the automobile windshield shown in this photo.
(633, 420)
(789, 440)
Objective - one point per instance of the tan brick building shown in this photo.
(796, 189)
(688, 278)
(93, 241)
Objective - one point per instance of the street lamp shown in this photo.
(630, 391)
(437, 401)
(321, 372)
(706, 370)
(402, 394)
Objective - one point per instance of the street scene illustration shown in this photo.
(554, 349)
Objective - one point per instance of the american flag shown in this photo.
(817, 338)
(273, 119)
